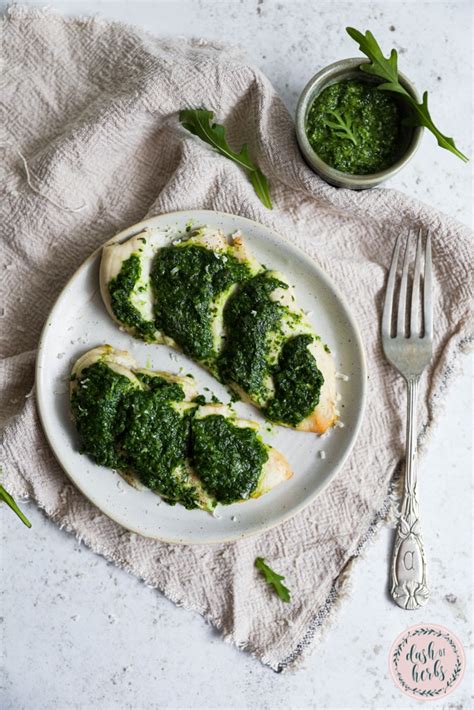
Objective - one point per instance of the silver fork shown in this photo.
(409, 350)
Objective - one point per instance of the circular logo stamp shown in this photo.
(427, 662)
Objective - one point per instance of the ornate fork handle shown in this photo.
(409, 589)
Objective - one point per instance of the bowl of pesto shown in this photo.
(349, 132)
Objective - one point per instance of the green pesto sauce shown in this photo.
(228, 459)
(127, 428)
(186, 281)
(298, 382)
(155, 441)
(120, 290)
(250, 316)
(99, 406)
(356, 128)
(133, 429)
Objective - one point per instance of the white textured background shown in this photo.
(78, 633)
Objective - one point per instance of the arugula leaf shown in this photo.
(380, 67)
(274, 579)
(5, 496)
(199, 123)
(423, 118)
(260, 185)
(342, 126)
(387, 69)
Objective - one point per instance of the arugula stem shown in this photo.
(5, 496)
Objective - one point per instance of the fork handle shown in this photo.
(409, 589)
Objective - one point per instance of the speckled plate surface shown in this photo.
(78, 322)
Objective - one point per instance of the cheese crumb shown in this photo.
(322, 454)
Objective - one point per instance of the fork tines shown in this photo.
(409, 327)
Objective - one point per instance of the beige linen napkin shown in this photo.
(93, 108)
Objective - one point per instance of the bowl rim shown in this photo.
(313, 88)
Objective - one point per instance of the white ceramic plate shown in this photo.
(78, 322)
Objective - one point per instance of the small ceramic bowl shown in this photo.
(349, 69)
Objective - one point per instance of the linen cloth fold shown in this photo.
(93, 144)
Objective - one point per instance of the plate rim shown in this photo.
(285, 516)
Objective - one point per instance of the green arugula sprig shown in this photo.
(5, 496)
(200, 123)
(343, 126)
(387, 69)
(274, 579)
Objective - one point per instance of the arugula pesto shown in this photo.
(120, 289)
(99, 404)
(155, 440)
(147, 427)
(187, 281)
(125, 427)
(250, 319)
(356, 128)
(297, 380)
(227, 458)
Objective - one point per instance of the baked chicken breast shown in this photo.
(154, 428)
(206, 295)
